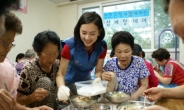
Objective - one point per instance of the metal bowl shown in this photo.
(91, 100)
(136, 104)
(117, 100)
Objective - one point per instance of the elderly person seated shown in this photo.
(173, 74)
(9, 80)
(125, 71)
(38, 77)
(29, 55)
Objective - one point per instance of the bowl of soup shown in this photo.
(117, 97)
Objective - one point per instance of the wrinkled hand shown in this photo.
(106, 76)
(153, 94)
(39, 94)
(63, 93)
(7, 101)
(41, 108)
(155, 107)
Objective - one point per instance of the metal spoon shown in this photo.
(144, 103)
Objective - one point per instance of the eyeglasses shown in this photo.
(7, 45)
(55, 55)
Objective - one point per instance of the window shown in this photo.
(161, 23)
(131, 17)
(145, 27)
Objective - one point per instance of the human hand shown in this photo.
(157, 69)
(7, 101)
(106, 76)
(39, 94)
(155, 107)
(41, 108)
(153, 94)
(63, 93)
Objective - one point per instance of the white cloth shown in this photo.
(63, 93)
(93, 89)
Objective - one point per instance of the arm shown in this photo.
(144, 85)
(99, 68)
(62, 71)
(156, 93)
(38, 95)
(100, 63)
(176, 92)
(162, 79)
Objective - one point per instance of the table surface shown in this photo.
(171, 104)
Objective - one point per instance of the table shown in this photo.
(171, 104)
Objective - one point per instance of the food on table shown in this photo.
(118, 95)
(81, 99)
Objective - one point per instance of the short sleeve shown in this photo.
(66, 52)
(102, 56)
(169, 70)
(24, 84)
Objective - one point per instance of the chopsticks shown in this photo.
(8, 91)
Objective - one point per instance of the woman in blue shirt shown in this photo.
(124, 72)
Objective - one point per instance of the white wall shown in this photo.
(68, 20)
(41, 15)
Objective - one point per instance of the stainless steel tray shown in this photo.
(137, 104)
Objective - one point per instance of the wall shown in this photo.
(68, 20)
(41, 15)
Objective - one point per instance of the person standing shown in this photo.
(81, 53)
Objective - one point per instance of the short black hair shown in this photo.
(122, 37)
(89, 17)
(166, 5)
(137, 50)
(19, 56)
(161, 54)
(143, 54)
(43, 38)
(5, 5)
(112, 53)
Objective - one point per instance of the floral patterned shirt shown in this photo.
(33, 77)
(128, 78)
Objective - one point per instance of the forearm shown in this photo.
(25, 100)
(98, 74)
(60, 80)
(176, 92)
(163, 80)
(139, 91)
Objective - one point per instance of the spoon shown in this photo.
(144, 103)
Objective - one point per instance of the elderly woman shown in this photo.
(29, 55)
(38, 77)
(173, 74)
(125, 71)
(9, 80)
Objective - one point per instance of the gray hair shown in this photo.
(30, 53)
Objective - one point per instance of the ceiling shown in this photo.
(68, 2)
